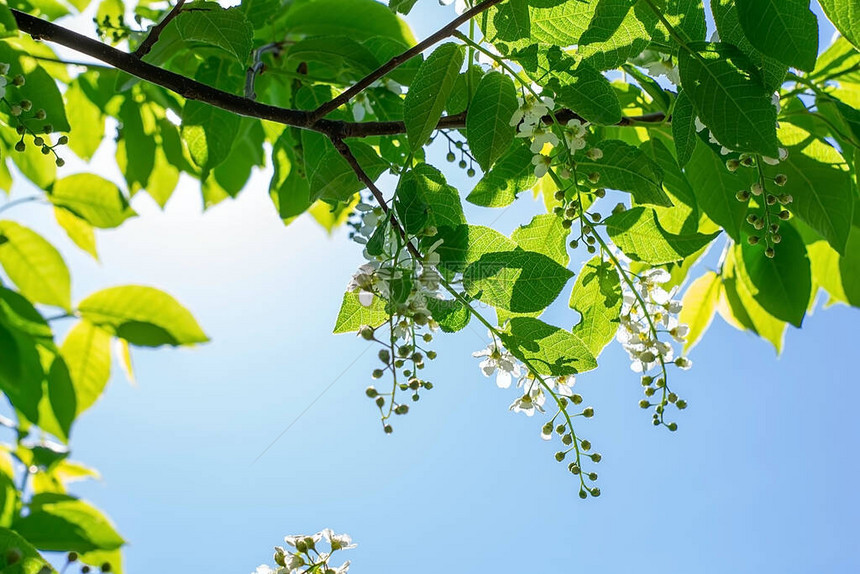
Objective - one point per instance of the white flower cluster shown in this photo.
(303, 556)
(528, 119)
(640, 327)
(499, 361)
(384, 273)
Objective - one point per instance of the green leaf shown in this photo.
(78, 230)
(729, 99)
(31, 561)
(138, 143)
(208, 131)
(688, 18)
(588, 93)
(823, 196)
(357, 19)
(57, 522)
(8, 25)
(550, 350)
(143, 316)
(33, 164)
(699, 304)
(684, 128)
(740, 310)
(35, 266)
(517, 281)
(21, 372)
(330, 56)
(210, 24)
(596, 296)
(86, 121)
(424, 199)
(715, 187)
(616, 33)
(466, 244)
(845, 15)
(782, 285)
(626, 168)
(835, 273)
(551, 22)
(333, 179)
(402, 6)
(39, 87)
(639, 235)
(731, 32)
(86, 350)
(353, 315)
(58, 412)
(92, 198)
(783, 29)
(451, 314)
(426, 99)
(544, 234)
(512, 174)
(488, 123)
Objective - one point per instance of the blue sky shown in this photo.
(760, 477)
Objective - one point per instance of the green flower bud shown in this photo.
(15, 110)
(567, 223)
(583, 495)
(388, 429)
(776, 238)
(585, 445)
(40, 114)
(19, 80)
(591, 249)
(757, 189)
(644, 404)
(753, 239)
(672, 398)
(573, 468)
(784, 215)
(600, 192)
(771, 199)
(462, 164)
(576, 399)
(366, 333)
(20, 146)
(451, 157)
(592, 476)
(769, 253)
(596, 457)
(595, 492)
(559, 195)
(672, 426)
(377, 373)
(371, 392)
(559, 456)
(573, 243)
(62, 140)
(732, 165)
(380, 402)
(743, 196)
(594, 177)
(567, 440)
(26, 105)
(470, 172)
(781, 179)
(681, 404)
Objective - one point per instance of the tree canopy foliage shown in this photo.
(651, 135)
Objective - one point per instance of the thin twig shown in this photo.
(156, 30)
(396, 61)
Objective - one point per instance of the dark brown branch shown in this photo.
(396, 61)
(193, 90)
(155, 33)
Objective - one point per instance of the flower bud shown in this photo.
(371, 392)
(592, 476)
(672, 426)
(771, 199)
(644, 404)
(18, 80)
(377, 373)
(785, 198)
(595, 492)
(576, 399)
(780, 179)
(743, 196)
(20, 146)
(573, 468)
(559, 456)
(784, 215)
(594, 177)
(62, 140)
(732, 165)
(769, 253)
(380, 402)
(681, 404)
(776, 238)
(753, 239)
(586, 445)
(594, 153)
(26, 105)
(756, 189)
(600, 192)
(40, 114)
(596, 457)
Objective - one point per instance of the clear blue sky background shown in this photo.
(760, 477)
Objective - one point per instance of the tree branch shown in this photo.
(155, 32)
(396, 61)
(194, 90)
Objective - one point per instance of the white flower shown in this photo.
(532, 400)
(342, 569)
(361, 107)
(498, 359)
(541, 163)
(337, 541)
(532, 110)
(783, 155)
(664, 68)
(460, 6)
(575, 133)
(563, 385)
(683, 363)
(264, 569)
